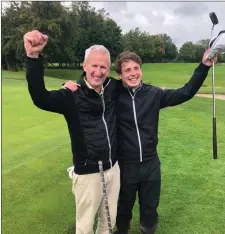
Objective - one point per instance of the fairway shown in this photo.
(36, 190)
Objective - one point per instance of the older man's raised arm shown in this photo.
(54, 101)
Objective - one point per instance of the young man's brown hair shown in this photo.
(124, 57)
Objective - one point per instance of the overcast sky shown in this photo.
(182, 21)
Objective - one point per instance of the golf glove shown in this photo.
(70, 172)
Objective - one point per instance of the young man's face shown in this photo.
(131, 74)
(96, 67)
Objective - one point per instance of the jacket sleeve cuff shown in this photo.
(203, 67)
(35, 61)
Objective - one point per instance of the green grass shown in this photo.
(175, 75)
(169, 75)
(36, 190)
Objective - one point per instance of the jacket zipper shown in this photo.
(106, 128)
(136, 124)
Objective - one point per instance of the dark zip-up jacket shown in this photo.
(91, 117)
(138, 115)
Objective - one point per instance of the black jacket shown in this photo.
(138, 115)
(91, 118)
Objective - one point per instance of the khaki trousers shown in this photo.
(89, 200)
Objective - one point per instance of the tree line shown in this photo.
(73, 29)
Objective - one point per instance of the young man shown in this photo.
(90, 114)
(138, 115)
(138, 108)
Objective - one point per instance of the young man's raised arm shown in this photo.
(172, 97)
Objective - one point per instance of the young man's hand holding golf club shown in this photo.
(206, 61)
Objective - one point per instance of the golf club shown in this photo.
(214, 20)
(100, 165)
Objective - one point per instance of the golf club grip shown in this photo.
(214, 139)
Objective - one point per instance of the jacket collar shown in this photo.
(133, 90)
(85, 84)
(142, 87)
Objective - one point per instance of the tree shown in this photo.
(187, 52)
(130, 41)
(91, 28)
(199, 51)
(112, 38)
(147, 47)
(12, 36)
(221, 58)
(169, 48)
(204, 43)
(50, 18)
(159, 48)
(140, 43)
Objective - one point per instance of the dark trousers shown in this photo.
(144, 178)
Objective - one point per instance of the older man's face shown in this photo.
(97, 68)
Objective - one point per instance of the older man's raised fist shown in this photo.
(34, 42)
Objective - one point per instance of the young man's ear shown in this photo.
(119, 75)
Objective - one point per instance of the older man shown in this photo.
(90, 114)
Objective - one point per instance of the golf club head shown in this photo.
(213, 18)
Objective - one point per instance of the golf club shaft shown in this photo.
(105, 196)
(214, 114)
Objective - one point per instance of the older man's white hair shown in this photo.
(97, 48)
